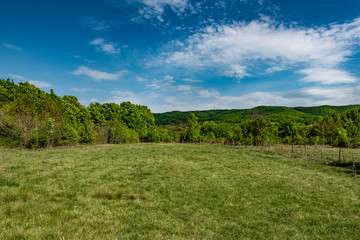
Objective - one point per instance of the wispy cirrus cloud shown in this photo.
(155, 6)
(159, 5)
(152, 9)
(99, 25)
(12, 46)
(103, 46)
(98, 76)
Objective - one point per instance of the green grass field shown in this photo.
(173, 191)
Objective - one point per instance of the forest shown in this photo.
(32, 118)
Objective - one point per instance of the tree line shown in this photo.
(339, 130)
(32, 118)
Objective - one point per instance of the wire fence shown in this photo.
(348, 158)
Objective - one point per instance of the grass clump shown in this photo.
(106, 193)
(7, 183)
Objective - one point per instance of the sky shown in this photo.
(186, 55)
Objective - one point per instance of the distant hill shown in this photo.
(305, 115)
(326, 109)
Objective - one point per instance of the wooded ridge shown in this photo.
(304, 115)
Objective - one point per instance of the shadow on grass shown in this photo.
(350, 167)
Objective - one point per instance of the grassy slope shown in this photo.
(172, 191)
(300, 114)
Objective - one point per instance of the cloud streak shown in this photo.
(98, 25)
(12, 47)
(14, 76)
(39, 84)
(98, 76)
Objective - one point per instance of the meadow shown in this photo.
(176, 191)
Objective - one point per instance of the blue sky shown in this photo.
(186, 55)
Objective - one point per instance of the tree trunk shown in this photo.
(321, 152)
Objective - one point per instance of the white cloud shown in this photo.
(104, 46)
(274, 69)
(327, 76)
(259, 40)
(238, 47)
(315, 96)
(208, 93)
(154, 86)
(312, 96)
(237, 71)
(165, 84)
(40, 84)
(98, 75)
(186, 89)
(11, 46)
(140, 79)
(169, 78)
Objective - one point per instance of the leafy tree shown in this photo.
(193, 133)
(288, 131)
(341, 138)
